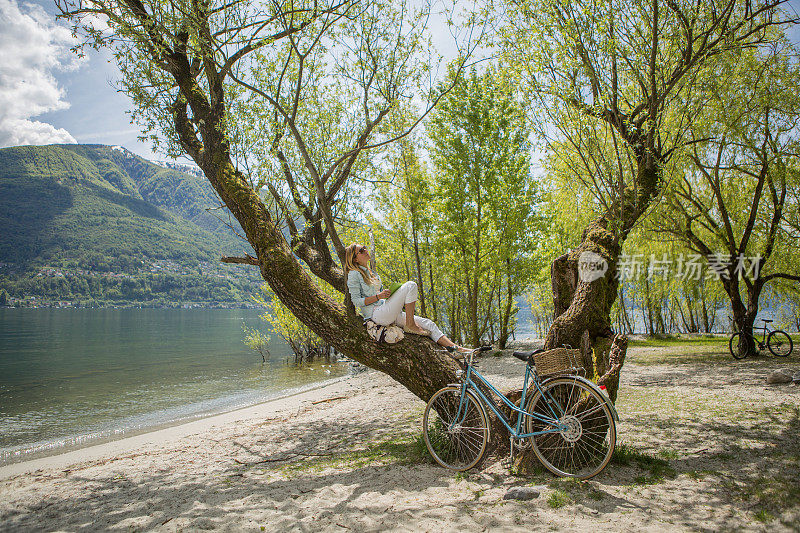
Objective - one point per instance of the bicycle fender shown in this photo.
(593, 385)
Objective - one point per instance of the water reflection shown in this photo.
(76, 375)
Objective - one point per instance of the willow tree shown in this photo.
(609, 80)
(224, 82)
(732, 202)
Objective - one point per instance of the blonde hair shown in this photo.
(350, 254)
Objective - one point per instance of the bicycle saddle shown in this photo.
(765, 320)
(527, 355)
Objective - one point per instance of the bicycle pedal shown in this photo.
(522, 444)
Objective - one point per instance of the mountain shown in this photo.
(99, 224)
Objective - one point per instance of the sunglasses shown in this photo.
(363, 250)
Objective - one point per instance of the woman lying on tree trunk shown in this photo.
(385, 307)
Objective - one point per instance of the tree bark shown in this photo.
(505, 313)
(583, 308)
(744, 313)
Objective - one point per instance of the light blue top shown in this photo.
(359, 291)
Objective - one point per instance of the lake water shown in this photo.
(75, 377)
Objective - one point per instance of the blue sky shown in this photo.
(64, 99)
(49, 96)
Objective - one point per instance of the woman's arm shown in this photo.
(372, 299)
(354, 286)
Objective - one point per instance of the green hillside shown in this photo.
(98, 225)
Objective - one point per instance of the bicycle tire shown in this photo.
(585, 448)
(462, 446)
(733, 346)
(780, 343)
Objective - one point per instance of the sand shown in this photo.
(710, 447)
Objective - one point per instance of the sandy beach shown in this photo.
(708, 446)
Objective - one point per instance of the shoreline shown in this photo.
(73, 443)
(164, 433)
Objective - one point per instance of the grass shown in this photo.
(558, 498)
(770, 494)
(596, 495)
(399, 449)
(695, 340)
(696, 408)
(668, 454)
(567, 490)
(700, 349)
(700, 475)
(655, 468)
(679, 340)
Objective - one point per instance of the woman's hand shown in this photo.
(384, 294)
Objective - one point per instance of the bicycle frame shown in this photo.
(765, 331)
(468, 384)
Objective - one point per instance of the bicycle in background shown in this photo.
(778, 342)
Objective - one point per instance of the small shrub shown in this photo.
(558, 498)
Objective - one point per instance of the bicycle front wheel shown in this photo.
(738, 352)
(456, 435)
(779, 343)
(580, 431)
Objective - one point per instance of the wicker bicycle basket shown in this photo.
(558, 361)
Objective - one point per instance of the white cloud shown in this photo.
(32, 48)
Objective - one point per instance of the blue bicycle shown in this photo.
(567, 419)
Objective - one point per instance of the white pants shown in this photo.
(392, 310)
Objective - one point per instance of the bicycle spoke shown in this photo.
(594, 410)
(585, 443)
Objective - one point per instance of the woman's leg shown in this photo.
(428, 324)
(403, 298)
(435, 333)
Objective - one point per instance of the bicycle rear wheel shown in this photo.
(737, 351)
(779, 343)
(583, 445)
(455, 440)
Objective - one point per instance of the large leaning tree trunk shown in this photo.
(412, 362)
(184, 63)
